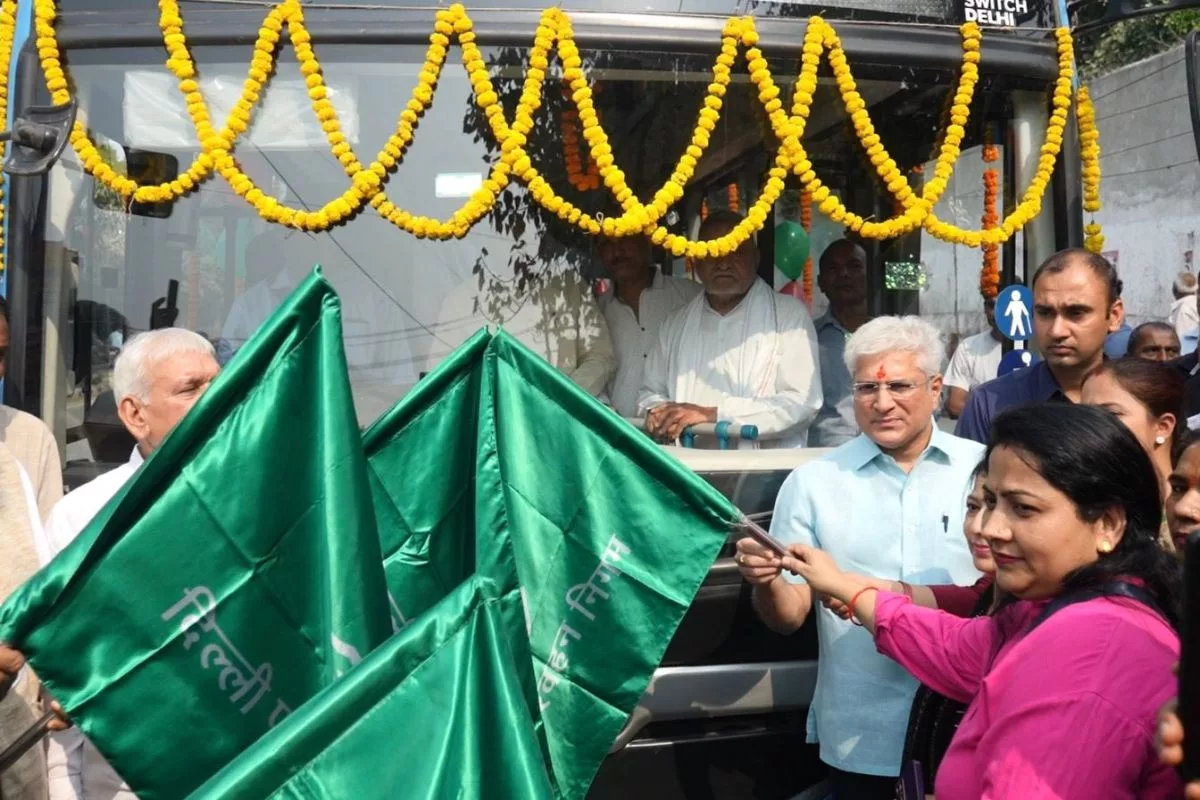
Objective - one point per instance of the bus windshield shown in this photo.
(408, 302)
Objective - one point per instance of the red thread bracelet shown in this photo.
(854, 602)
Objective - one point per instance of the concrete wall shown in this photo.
(1150, 187)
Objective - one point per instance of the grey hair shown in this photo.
(898, 334)
(131, 372)
(1185, 283)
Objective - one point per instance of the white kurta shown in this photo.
(1184, 317)
(76, 769)
(635, 336)
(561, 322)
(757, 364)
(976, 360)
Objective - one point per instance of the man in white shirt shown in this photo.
(641, 298)
(740, 353)
(553, 313)
(157, 378)
(1184, 316)
(22, 546)
(976, 360)
(28, 438)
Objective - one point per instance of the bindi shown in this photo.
(880, 373)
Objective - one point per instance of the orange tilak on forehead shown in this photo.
(880, 373)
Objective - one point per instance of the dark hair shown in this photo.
(839, 244)
(4, 308)
(1094, 261)
(1088, 455)
(1136, 334)
(1155, 385)
(980, 469)
(720, 219)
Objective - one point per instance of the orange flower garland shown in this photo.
(989, 276)
(582, 179)
(806, 223)
(734, 201)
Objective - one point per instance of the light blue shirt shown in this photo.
(873, 519)
(1187, 343)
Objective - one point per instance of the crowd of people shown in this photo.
(997, 610)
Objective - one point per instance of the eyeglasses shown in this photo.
(897, 389)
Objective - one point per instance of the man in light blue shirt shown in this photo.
(887, 504)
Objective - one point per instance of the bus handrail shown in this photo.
(723, 431)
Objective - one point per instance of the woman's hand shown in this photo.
(819, 570)
(758, 565)
(1169, 743)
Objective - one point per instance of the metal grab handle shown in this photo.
(722, 430)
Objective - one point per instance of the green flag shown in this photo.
(235, 576)
(596, 538)
(422, 475)
(435, 712)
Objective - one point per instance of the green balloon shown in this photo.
(791, 248)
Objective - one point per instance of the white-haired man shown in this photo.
(739, 353)
(888, 504)
(1184, 317)
(158, 377)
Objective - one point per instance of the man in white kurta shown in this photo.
(1184, 316)
(22, 548)
(639, 302)
(157, 379)
(740, 353)
(976, 360)
(555, 316)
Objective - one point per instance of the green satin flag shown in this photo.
(501, 466)
(234, 577)
(435, 712)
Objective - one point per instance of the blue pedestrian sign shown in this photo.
(1014, 312)
(1014, 360)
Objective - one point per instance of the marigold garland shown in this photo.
(8, 29)
(582, 179)
(735, 204)
(989, 275)
(1089, 153)
(554, 31)
(806, 281)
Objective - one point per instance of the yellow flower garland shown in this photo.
(8, 29)
(1089, 153)
(555, 31)
(820, 35)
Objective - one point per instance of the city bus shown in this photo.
(87, 268)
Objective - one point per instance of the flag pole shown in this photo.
(760, 535)
(12, 754)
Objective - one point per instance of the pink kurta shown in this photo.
(1066, 711)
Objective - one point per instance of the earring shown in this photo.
(1105, 547)
(1159, 439)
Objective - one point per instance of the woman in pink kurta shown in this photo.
(1065, 680)
(1065, 711)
